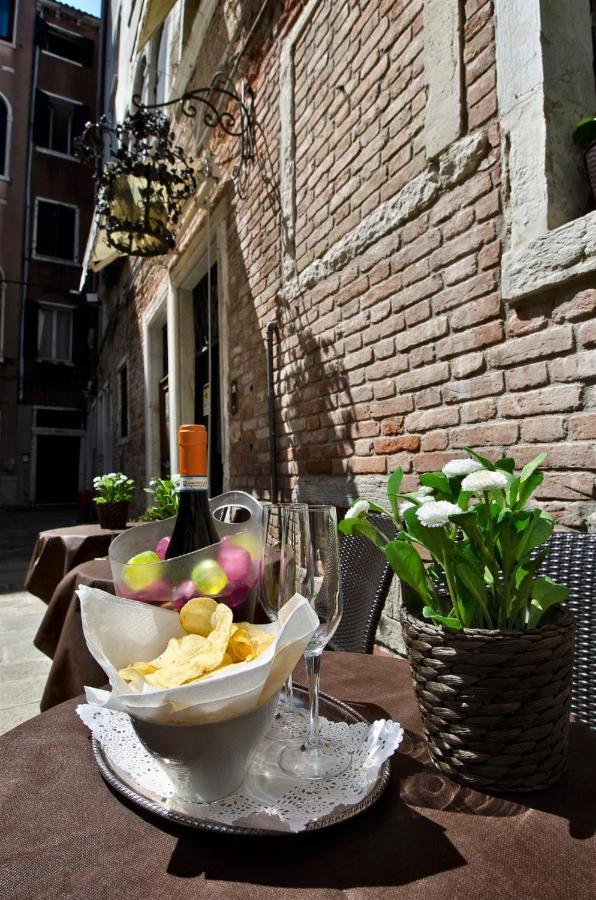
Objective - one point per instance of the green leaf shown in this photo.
(447, 621)
(407, 565)
(431, 538)
(527, 488)
(533, 464)
(487, 463)
(361, 528)
(538, 531)
(545, 593)
(393, 485)
(437, 481)
(506, 464)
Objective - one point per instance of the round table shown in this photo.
(59, 550)
(60, 635)
(66, 834)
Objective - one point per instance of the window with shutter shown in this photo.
(67, 45)
(7, 19)
(56, 230)
(3, 137)
(54, 333)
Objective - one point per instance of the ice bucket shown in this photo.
(226, 571)
(208, 761)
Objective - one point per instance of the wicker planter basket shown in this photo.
(495, 705)
(113, 515)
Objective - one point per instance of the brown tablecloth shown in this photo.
(66, 834)
(60, 635)
(59, 550)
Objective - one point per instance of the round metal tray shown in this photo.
(262, 767)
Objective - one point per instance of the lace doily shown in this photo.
(267, 791)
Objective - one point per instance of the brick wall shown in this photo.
(398, 348)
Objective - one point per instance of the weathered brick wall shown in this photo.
(399, 350)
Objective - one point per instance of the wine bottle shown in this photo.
(194, 527)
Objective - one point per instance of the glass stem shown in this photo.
(287, 694)
(313, 675)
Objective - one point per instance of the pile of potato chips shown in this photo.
(213, 642)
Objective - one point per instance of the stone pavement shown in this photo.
(23, 668)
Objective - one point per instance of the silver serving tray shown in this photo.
(261, 769)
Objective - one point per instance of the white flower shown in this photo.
(359, 510)
(436, 513)
(458, 467)
(420, 497)
(483, 480)
(424, 491)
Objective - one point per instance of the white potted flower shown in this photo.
(489, 644)
(113, 494)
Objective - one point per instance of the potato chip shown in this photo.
(195, 616)
(212, 643)
(260, 639)
(197, 655)
(240, 646)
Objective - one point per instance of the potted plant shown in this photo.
(113, 494)
(584, 137)
(489, 645)
(165, 498)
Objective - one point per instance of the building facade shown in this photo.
(49, 331)
(414, 250)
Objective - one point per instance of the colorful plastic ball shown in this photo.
(237, 597)
(209, 577)
(162, 547)
(142, 570)
(235, 562)
(248, 542)
(184, 592)
(158, 592)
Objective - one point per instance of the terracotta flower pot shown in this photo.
(113, 515)
(495, 705)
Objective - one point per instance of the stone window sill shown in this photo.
(551, 260)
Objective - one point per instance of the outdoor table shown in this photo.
(59, 550)
(66, 834)
(60, 635)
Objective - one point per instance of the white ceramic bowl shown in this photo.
(207, 762)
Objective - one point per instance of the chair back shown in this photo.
(366, 579)
(572, 562)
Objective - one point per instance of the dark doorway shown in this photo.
(57, 468)
(164, 410)
(207, 384)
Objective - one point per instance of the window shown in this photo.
(123, 400)
(7, 17)
(58, 121)
(5, 129)
(54, 333)
(161, 69)
(56, 231)
(68, 45)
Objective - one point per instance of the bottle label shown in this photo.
(193, 483)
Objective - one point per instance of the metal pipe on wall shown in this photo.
(271, 330)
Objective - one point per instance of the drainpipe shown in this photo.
(27, 224)
(271, 330)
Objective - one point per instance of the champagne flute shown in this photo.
(316, 758)
(278, 584)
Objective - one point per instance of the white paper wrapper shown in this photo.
(119, 632)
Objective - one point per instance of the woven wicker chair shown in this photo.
(366, 579)
(572, 561)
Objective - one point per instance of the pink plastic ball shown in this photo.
(158, 592)
(184, 592)
(235, 561)
(162, 547)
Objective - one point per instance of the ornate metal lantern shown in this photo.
(142, 189)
